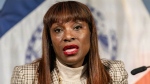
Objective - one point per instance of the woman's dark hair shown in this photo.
(64, 12)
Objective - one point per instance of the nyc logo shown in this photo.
(34, 46)
(106, 36)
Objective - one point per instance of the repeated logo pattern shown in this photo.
(34, 46)
(106, 36)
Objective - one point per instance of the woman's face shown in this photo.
(71, 42)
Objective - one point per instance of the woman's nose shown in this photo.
(68, 36)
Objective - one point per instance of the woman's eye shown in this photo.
(58, 30)
(78, 27)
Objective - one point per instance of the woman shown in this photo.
(70, 51)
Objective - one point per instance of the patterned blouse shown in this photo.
(26, 74)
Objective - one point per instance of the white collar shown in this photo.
(71, 74)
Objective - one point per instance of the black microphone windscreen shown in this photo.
(138, 70)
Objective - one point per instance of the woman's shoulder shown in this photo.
(112, 63)
(25, 73)
(27, 67)
(117, 71)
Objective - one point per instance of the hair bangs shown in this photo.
(65, 12)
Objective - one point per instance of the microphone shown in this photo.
(138, 70)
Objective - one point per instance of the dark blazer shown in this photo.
(26, 74)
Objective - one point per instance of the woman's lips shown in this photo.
(70, 50)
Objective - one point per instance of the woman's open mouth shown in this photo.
(70, 50)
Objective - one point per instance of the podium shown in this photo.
(145, 79)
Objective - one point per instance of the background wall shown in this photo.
(123, 33)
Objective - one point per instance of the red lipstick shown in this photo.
(70, 50)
